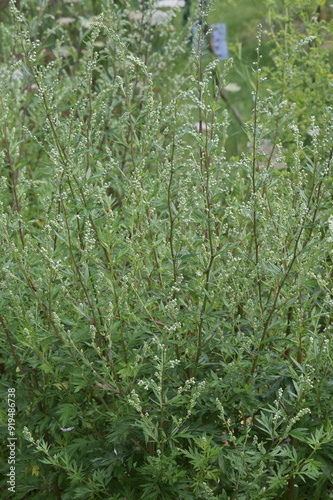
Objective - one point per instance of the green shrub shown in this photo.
(166, 309)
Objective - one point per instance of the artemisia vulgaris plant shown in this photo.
(166, 309)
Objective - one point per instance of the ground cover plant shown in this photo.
(166, 297)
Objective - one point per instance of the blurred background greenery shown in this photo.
(241, 18)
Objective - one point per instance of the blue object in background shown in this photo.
(196, 41)
(219, 41)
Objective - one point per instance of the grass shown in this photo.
(242, 19)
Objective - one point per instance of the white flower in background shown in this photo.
(204, 126)
(135, 16)
(314, 131)
(17, 75)
(159, 17)
(66, 20)
(232, 87)
(86, 23)
(171, 3)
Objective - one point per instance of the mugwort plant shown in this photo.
(165, 307)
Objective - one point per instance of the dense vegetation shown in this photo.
(166, 284)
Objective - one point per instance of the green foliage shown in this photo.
(166, 306)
